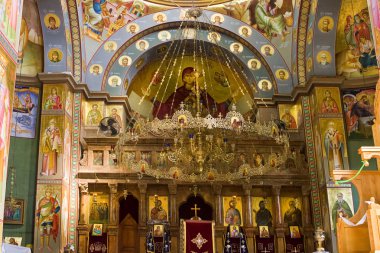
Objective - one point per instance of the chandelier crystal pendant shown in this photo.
(197, 146)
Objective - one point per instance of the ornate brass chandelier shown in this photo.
(200, 148)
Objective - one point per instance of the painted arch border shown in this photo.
(147, 55)
(256, 40)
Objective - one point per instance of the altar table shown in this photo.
(9, 248)
(197, 236)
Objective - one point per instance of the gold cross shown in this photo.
(195, 209)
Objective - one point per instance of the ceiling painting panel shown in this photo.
(111, 50)
(355, 54)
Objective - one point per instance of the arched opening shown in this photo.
(205, 211)
(128, 223)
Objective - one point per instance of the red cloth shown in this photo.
(158, 244)
(98, 244)
(235, 245)
(294, 244)
(199, 237)
(265, 245)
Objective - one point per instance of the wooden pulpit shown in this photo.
(373, 219)
(361, 238)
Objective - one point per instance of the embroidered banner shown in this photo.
(158, 244)
(264, 245)
(294, 245)
(98, 244)
(199, 237)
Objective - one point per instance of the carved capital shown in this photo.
(113, 230)
(113, 188)
(306, 190)
(217, 188)
(247, 189)
(172, 189)
(83, 188)
(142, 188)
(276, 190)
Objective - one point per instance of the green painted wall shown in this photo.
(353, 156)
(25, 154)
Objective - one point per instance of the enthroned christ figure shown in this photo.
(188, 92)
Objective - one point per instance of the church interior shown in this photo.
(203, 126)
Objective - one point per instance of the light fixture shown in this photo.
(199, 147)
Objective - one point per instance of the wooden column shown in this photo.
(306, 215)
(142, 210)
(173, 204)
(217, 188)
(84, 201)
(306, 219)
(83, 234)
(113, 223)
(279, 224)
(248, 205)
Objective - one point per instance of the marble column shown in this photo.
(276, 190)
(83, 227)
(279, 223)
(84, 201)
(142, 209)
(217, 188)
(306, 219)
(113, 204)
(173, 204)
(247, 209)
(113, 226)
(248, 205)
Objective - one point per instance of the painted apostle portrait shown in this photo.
(96, 69)
(232, 209)
(262, 211)
(52, 21)
(291, 211)
(254, 64)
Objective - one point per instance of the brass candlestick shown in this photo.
(319, 236)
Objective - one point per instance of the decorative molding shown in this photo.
(217, 188)
(8, 47)
(247, 188)
(172, 188)
(369, 152)
(276, 190)
(76, 39)
(75, 157)
(311, 158)
(113, 188)
(142, 188)
(83, 188)
(301, 45)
